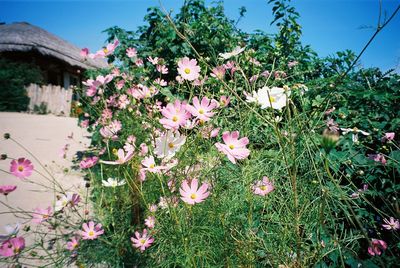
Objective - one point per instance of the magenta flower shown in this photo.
(388, 137)
(21, 168)
(263, 187)
(12, 247)
(376, 247)
(108, 50)
(73, 243)
(175, 115)
(88, 162)
(84, 52)
(6, 189)
(233, 147)
(392, 224)
(122, 158)
(41, 214)
(380, 158)
(131, 52)
(188, 69)
(90, 231)
(150, 222)
(193, 194)
(203, 110)
(142, 241)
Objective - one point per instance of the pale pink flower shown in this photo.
(42, 214)
(153, 61)
(120, 84)
(123, 101)
(203, 110)
(108, 50)
(162, 69)
(6, 189)
(153, 208)
(175, 115)
(231, 65)
(380, 158)
(265, 73)
(392, 224)
(279, 74)
(192, 194)
(21, 168)
(210, 132)
(236, 51)
(143, 149)
(103, 80)
(150, 165)
(255, 61)
(131, 52)
(84, 123)
(377, 246)
(224, 101)
(12, 247)
(64, 150)
(263, 187)
(293, 63)
(73, 243)
(168, 144)
(91, 91)
(122, 158)
(253, 78)
(198, 82)
(111, 131)
(388, 137)
(161, 82)
(150, 222)
(90, 231)
(115, 71)
(233, 147)
(188, 69)
(142, 241)
(179, 79)
(218, 72)
(69, 199)
(141, 92)
(139, 62)
(88, 162)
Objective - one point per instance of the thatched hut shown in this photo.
(60, 61)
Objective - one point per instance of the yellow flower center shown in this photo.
(114, 151)
(142, 241)
(201, 111)
(20, 168)
(105, 50)
(193, 196)
(263, 188)
(170, 145)
(272, 99)
(231, 147)
(187, 71)
(175, 118)
(91, 233)
(152, 166)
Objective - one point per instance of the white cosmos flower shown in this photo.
(235, 52)
(275, 97)
(11, 230)
(168, 144)
(354, 132)
(111, 182)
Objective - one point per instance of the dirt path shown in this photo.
(43, 136)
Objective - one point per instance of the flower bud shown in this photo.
(6, 136)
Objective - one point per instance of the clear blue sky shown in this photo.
(328, 25)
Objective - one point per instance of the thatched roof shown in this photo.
(22, 36)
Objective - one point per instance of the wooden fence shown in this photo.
(57, 100)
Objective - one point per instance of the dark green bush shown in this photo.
(14, 76)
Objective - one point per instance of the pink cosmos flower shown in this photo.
(122, 158)
(218, 72)
(263, 187)
(73, 243)
(388, 137)
(6, 189)
(84, 52)
(150, 222)
(111, 131)
(84, 123)
(123, 101)
(120, 84)
(42, 214)
(376, 247)
(21, 168)
(90, 231)
(153, 61)
(291, 64)
(108, 50)
(161, 82)
(209, 132)
(233, 147)
(150, 165)
(141, 92)
(175, 115)
(380, 158)
(392, 224)
(162, 69)
(193, 194)
(88, 162)
(142, 241)
(143, 149)
(188, 69)
(12, 247)
(224, 101)
(69, 199)
(153, 208)
(203, 110)
(131, 52)
(139, 62)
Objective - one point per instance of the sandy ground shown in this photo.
(43, 136)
